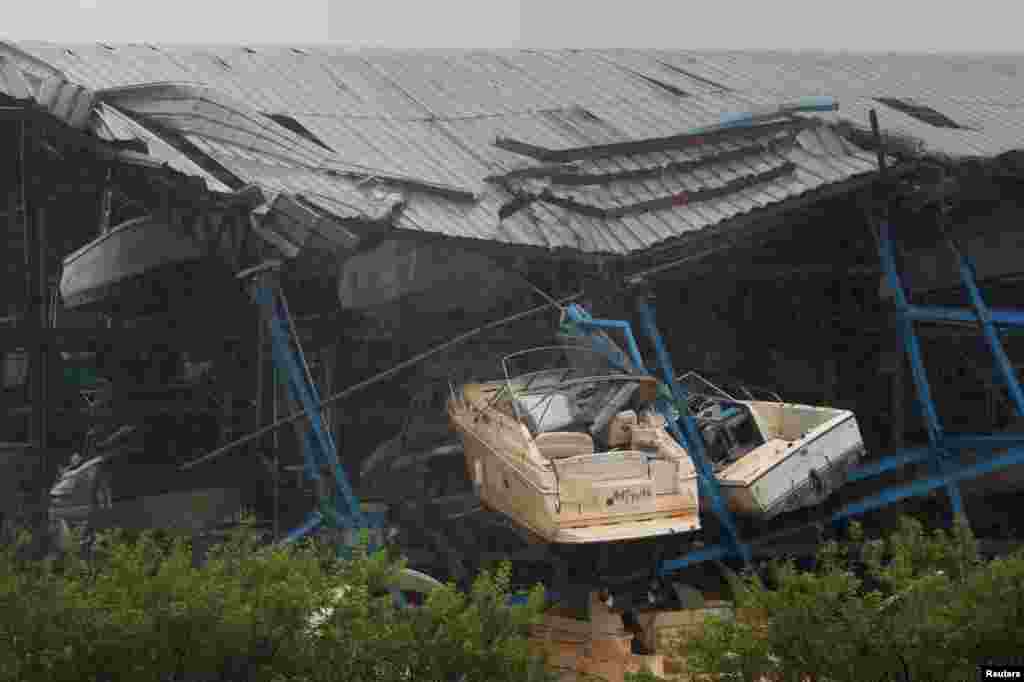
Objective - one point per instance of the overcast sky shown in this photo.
(871, 25)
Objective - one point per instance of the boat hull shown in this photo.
(139, 265)
(794, 471)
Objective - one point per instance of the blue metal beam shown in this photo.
(891, 462)
(582, 317)
(982, 442)
(314, 521)
(887, 254)
(985, 317)
(690, 437)
(925, 485)
(883, 499)
(965, 441)
(910, 342)
(934, 313)
(712, 553)
(318, 440)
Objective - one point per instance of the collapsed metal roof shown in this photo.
(408, 137)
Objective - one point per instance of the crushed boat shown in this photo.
(575, 457)
(771, 457)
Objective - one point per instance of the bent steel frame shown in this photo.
(341, 508)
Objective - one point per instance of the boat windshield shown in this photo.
(703, 393)
(569, 388)
(562, 361)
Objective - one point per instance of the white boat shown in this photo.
(772, 457)
(137, 260)
(576, 457)
(147, 264)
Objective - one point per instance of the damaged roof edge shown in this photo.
(331, 161)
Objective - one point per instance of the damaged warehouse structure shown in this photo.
(350, 210)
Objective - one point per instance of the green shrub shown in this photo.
(916, 606)
(139, 610)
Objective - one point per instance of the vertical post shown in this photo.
(887, 255)
(690, 437)
(266, 401)
(319, 445)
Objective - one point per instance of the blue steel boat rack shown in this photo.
(943, 452)
(339, 506)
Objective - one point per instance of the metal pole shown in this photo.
(887, 255)
(691, 437)
(988, 327)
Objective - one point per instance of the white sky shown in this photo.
(866, 25)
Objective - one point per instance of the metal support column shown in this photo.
(912, 346)
(939, 443)
(689, 436)
(339, 506)
(887, 255)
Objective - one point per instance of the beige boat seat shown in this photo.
(562, 444)
(618, 399)
(620, 429)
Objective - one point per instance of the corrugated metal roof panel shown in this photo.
(434, 116)
(13, 82)
(982, 92)
(356, 147)
(278, 176)
(121, 128)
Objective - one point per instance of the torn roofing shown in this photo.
(387, 136)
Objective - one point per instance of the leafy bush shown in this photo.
(138, 609)
(916, 606)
